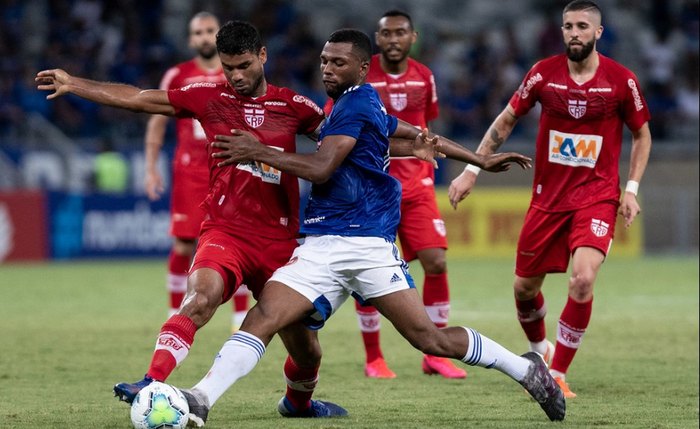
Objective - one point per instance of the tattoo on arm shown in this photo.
(495, 142)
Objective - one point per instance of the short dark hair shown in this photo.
(360, 41)
(577, 5)
(396, 12)
(238, 37)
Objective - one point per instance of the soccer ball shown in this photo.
(159, 405)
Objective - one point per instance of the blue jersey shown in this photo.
(360, 199)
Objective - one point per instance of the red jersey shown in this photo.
(250, 198)
(190, 158)
(580, 131)
(411, 97)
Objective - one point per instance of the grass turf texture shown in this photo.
(69, 331)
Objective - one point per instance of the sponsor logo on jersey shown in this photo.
(398, 101)
(301, 99)
(556, 85)
(254, 117)
(198, 85)
(275, 103)
(526, 86)
(218, 246)
(600, 90)
(577, 108)
(638, 105)
(576, 150)
(265, 172)
(599, 227)
(312, 220)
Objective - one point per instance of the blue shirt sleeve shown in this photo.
(391, 124)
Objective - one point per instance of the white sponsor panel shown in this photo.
(575, 150)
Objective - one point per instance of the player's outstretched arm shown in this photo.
(495, 136)
(109, 94)
(317, 167)
(641, 147)
(153, 142)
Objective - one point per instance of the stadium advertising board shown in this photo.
(488, 222)
(23, 227)
(106, 225)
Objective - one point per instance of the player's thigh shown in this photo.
(594, 227)
(221, 252)
(404, 309)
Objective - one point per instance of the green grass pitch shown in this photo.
(69, 331)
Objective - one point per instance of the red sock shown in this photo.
(173, 344)
(531, 316)
(436, 298)
(369, 319)
(301, 383)
(178, 265)
(240, 299)
(572, 325)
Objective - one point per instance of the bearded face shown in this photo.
(578, 51)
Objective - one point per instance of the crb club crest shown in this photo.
(398, 101)
(599, 228)
(254, 117)
(577, 108)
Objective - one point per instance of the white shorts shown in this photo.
(327, 269)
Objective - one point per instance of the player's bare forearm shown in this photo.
(498, 132)
(153, 142)
(105, 93)
(317, 167)
(639, 157)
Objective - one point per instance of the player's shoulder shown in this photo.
(419, 67)
(550, 64)
(291, 97)
(614, 68)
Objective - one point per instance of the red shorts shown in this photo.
(186, 215)
(421, 225)
(250, 260)
(547, 240)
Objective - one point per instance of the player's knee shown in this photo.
(435, 266)
(581, 286)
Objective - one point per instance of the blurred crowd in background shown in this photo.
(478, 50)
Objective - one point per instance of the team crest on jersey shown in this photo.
(254, 117)
(577, 108)
(439, 225)
(398, 101)
(599, 228)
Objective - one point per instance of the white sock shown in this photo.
(484, 352)
(237, 358)
(555, 373)
(539, 347)
(237, 318)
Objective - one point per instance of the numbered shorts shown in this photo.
(188, 192)
(327, 269)
(547, 240)
(421, 225)
(241, 259)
